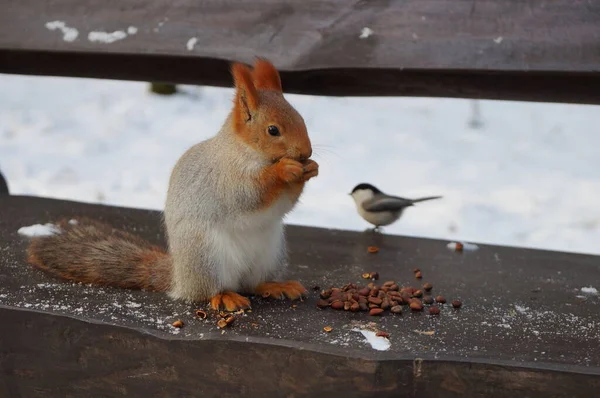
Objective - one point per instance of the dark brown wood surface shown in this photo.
(541, 50)
(525, 329)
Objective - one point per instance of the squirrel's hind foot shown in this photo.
(279, 290)
(231, 301)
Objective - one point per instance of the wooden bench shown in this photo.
(525, 328)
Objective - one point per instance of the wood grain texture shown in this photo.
(540, 50)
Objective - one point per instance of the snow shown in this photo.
(511, 173)
(105, 37)
(39, 230)
(191, 43)
(365, 32)
(589, 290)
(376, 342)
(69, 34)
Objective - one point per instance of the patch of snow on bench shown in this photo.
(105, 37)
(69, 34)
(376, 342)
(39, 230)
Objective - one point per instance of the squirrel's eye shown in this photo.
(274, 131)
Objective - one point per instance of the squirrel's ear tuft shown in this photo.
(266, 77)
(246, 97)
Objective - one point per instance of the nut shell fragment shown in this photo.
(178, 323)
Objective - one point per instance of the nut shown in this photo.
(434, 310)
(328, 329)
(456, 304)
(337, 305)
(375, 311)
(374, 292)
(347, 287)
(416, 270)
(388, 283)
(375, 300)
(428, 300)
(355, 307)
(325, 294)
(397, 309)
(427, 286)
(201, 314)
(363, 307)
(418, 293)
(416, 306)
(347, 305)
(395, 287)
(382, 334)
(366, 275)
(229, 319)
(371, 305)
(178, 323)
(222, 323)
(440, 299)
(322, 304)
(374, 275)
(385, 304)
(364, 291)
(418, 275)
(372, 249)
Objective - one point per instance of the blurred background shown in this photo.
(511, 173)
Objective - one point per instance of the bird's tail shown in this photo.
(425, 198)
(93, 252)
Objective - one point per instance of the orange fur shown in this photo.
(279, 290)
(246, 97)
(231, 301)
(266, 77)
(289, 153)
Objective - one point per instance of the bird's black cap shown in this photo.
(366, 186)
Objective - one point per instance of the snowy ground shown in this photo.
(527, 176)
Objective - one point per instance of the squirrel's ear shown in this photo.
(246, 97)
(266, 77)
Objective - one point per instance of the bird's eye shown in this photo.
(274, 131)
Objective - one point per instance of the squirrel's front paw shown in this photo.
(230, 300)
(279, 290)
(289, 170)
(311, 169)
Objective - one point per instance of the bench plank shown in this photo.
(540, 50)
(523, 330)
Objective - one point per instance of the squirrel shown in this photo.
(226, 201)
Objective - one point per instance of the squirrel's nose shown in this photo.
(305, 154)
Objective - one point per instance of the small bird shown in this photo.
(379, 208)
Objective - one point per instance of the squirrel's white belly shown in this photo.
(251, 248)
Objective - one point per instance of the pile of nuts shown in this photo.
(377, 299)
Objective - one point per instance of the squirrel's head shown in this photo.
(263, 118)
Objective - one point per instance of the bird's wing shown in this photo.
(386, 203)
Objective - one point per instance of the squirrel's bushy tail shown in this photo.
(93, 252)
